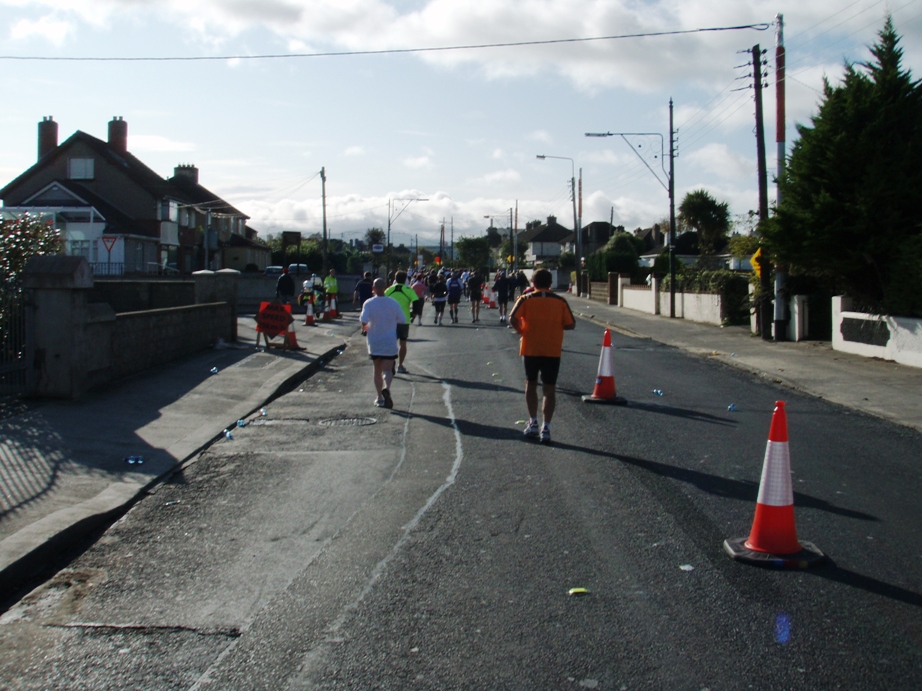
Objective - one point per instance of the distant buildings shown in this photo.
(123, 217)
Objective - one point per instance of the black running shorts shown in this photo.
(548, 367)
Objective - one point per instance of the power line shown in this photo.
(387, 51)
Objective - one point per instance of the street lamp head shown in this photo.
(541, 156)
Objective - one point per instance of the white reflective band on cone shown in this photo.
(605, 366)
(775, 488)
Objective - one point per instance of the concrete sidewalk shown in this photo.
(62, 464)
(63, 467)
(877, 387)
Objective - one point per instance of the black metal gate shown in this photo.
(15, 341)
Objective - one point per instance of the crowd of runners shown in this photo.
(539, 317)
(453, 287)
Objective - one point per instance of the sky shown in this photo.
(417, 137)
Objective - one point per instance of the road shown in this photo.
(335, 545)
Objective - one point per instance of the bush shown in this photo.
(620, 255)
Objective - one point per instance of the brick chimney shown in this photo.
(47, 135)
(186, 170)
(118, 135)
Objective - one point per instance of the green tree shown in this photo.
(619, 255)
(742, 246)
(710, 218)
(374, 236)
(849, 213)
(473, 252)
(494, 237)
(22, 238)
(507, 250)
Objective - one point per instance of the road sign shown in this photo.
(756, 261)
(109, 242)
(377, 249)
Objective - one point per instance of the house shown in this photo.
(593, 236)
(117, 212)
(544, 240)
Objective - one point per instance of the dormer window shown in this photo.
(80, 168)
(169, 210)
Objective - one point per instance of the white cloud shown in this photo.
(539, 136)
(354, 151)
(502, 177)
(720, 160)
(52, 30)
(418, 162)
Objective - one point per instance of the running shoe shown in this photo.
(389, 402)
(379, 402)
(402, 369)
(545, 435)
(531, 429)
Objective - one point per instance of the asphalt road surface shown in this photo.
(334, 545)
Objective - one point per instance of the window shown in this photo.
(83, 248)
(80, 168)
(169, 210)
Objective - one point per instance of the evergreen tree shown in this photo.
(849, 213)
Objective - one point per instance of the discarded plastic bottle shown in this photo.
(132, 460)
(214, 370)
(731, 408)
(241, 423)
(658, 392)
(227, 434)
(262, 412)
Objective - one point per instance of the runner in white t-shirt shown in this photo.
(380, 317)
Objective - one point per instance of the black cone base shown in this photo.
(807, 557)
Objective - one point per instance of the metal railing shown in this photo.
(14, 341)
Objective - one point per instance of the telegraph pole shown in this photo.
(672, 259)
(765, 283)
(780, 272)
(323, 188)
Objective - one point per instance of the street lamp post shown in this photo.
(391, 217)
(576, 221)
(669, 185)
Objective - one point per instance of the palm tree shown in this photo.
(710, 218)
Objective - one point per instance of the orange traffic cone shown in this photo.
(291, 341)
(773, 538)
(335, 308)
(486, 297)
(604, 391)
(309, 314)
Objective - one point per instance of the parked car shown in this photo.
(298, 270)
(273, 271)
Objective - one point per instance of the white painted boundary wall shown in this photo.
(639, 298)
(705, 308)
(697, 307)
(902, 336)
